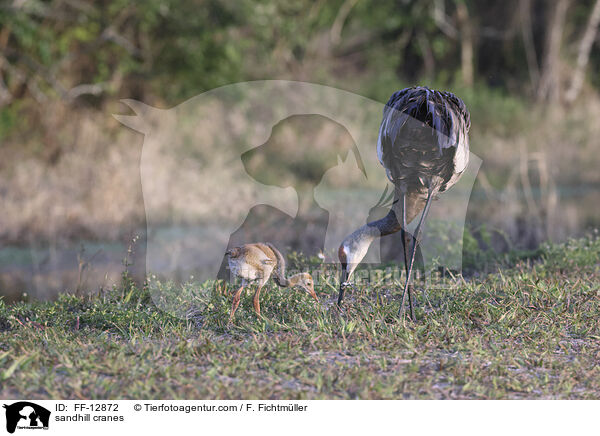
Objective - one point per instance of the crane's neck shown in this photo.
(385, 226)
(356, 245)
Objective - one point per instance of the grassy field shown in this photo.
(529, 331)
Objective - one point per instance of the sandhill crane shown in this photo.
(256, 262)
(424, 147)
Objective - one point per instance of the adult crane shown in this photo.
(423, 145)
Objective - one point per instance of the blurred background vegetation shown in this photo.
(87, 52)
(527, 69)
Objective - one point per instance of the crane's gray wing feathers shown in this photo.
(423, 138)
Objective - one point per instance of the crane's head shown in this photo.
(306, 282)
(353, 250)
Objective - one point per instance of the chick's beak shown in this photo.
(311, 291)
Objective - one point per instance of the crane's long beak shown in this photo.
(343, 284)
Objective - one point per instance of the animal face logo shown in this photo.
(26, 415)
(285, 162)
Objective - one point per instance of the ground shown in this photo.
(530, 330)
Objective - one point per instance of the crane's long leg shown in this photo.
(406, 240)
(256, 300)
(236, 301)
(417, 240)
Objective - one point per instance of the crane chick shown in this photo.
(255, 263)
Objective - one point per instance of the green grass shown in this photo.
(530, 331)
